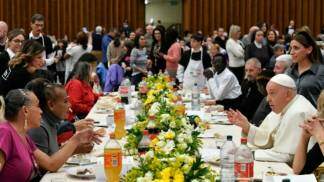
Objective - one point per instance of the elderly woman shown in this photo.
(306, 162)
(23, 67)
(18, 153)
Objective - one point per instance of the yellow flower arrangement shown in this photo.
(169, 135)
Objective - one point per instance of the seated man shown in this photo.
(276, 136)
(283, 62)
(222, 83)
(251, 97)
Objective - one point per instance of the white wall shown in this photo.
(164, 11)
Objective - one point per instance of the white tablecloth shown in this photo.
(209, 150)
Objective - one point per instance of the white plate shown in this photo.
(77, 160)
(73, 171)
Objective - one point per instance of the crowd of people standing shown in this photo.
(262, 78)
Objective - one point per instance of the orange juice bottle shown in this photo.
(120, 121)
(113, 159)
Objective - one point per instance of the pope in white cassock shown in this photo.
(277, 137)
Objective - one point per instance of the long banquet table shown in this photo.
(209, 151)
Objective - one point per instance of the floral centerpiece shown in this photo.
(174, 153)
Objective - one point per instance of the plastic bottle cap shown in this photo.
(145, 132)
(112, 136)
(229, 137)
(244, 140)
(151, 117)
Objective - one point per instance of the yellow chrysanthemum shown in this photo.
(149, 100)
(159, 86)
(153, 142)
(166, 173)
(169, 135)
(178, 176)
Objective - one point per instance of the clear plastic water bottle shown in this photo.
(227, 160)
(125, 91)
(142, 88)
(243, 161)
(195, 98)
(144, 144)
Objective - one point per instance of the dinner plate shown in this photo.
(77, 160)
(81, 172)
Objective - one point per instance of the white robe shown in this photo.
(278, 135)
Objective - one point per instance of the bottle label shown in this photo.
(113, 159)
(143, 89)
(119, 115)
(243, 170)
(123, 89)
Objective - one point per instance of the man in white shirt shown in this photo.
(37, 25)
(222, 83)
(276, 137)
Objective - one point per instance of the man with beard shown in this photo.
(222, 83)
(251, 97)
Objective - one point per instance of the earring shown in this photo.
(26, 123)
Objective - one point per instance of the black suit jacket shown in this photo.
(4, 59)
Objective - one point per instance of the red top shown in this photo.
(81, 97)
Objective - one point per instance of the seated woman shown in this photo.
(80, 91)
(23, 67)
(54, 104)
(222, 83)
(18, 153)
(306, 162)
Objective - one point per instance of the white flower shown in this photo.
(147, 178)
(182, 146)
(173, 124)
(168, 147)
(149, 155)
(189, 139)
(160, 144)
(151, 124)
(149, 175)
(180, 138)
(165, 118)
(155, 108)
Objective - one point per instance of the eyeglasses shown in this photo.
(17, 41)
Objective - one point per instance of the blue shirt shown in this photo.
(114, 78)
(106, 39)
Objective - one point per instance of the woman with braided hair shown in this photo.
(23, 67)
